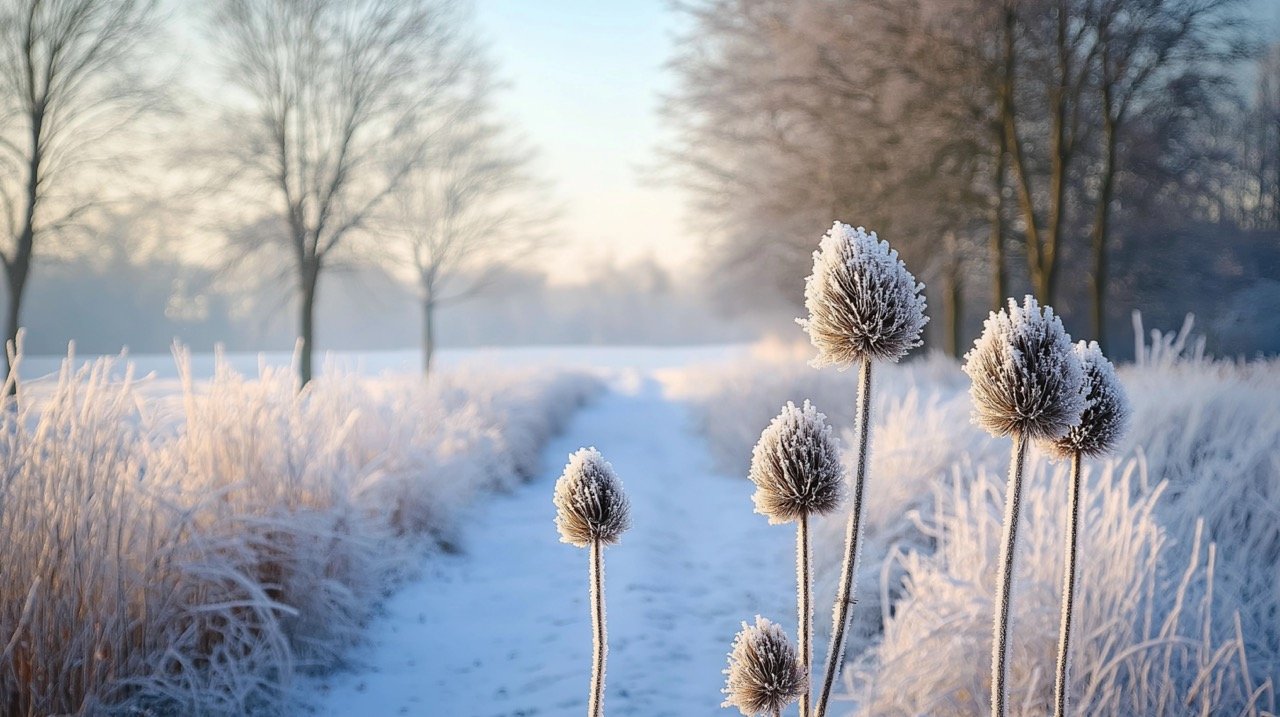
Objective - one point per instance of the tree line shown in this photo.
(351, 127)
(1076, 149)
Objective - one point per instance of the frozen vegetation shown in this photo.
(1177, 607)
(190, 546)
(220, 545)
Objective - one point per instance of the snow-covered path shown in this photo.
(503, 629)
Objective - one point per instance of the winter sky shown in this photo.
(585, 79)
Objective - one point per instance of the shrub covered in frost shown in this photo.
(214, 537)
(764, 674)
(862, 301)
(1150, 639)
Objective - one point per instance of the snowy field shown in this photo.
(386, 548)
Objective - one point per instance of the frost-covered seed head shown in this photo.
(590, 504)
(796, 466)
(862, 301)
(1107, 414)
(1027, 380)
(764, 674)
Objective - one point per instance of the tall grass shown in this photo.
(185, 548)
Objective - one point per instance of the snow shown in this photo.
(503, 629)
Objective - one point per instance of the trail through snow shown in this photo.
(503, 629)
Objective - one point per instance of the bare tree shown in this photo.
(1149, 52)
(1047, 45)
(338, 91)
(471, 208)
(1032, 127)
(69, 80)
(778, 132)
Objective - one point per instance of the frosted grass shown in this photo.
(187, 552)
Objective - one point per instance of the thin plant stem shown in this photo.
(1000, 631)
(804, 608)
(1068, 588)
(844, 594)
(595, 705)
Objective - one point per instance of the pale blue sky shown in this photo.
(585, 82)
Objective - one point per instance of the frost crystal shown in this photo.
(764, 675)
(1027, 380)
(862, 301)
(796, 466)
(1107, 414)
(590, 504)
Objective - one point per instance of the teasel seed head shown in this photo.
(1106, 415)
(590, 504)
(796, 466)
(1027, 379)
(764, 673)
(862, 301)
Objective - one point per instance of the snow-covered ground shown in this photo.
(503, 628)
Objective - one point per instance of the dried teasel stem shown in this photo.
(600, 646)
(1068, 589)
(591, 512)
(1008, 543)
(804, 607)
(797, 472)
(844, 593)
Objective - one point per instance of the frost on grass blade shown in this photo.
(862, 301)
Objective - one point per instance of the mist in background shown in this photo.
(656, 222)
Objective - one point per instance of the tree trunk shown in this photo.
(17, 282)
(999, 280)
(1101, 226)
(18, 268)
(955, 311)
(1017, 160)
(307, 328)
(428, 333)
(1059, 159)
